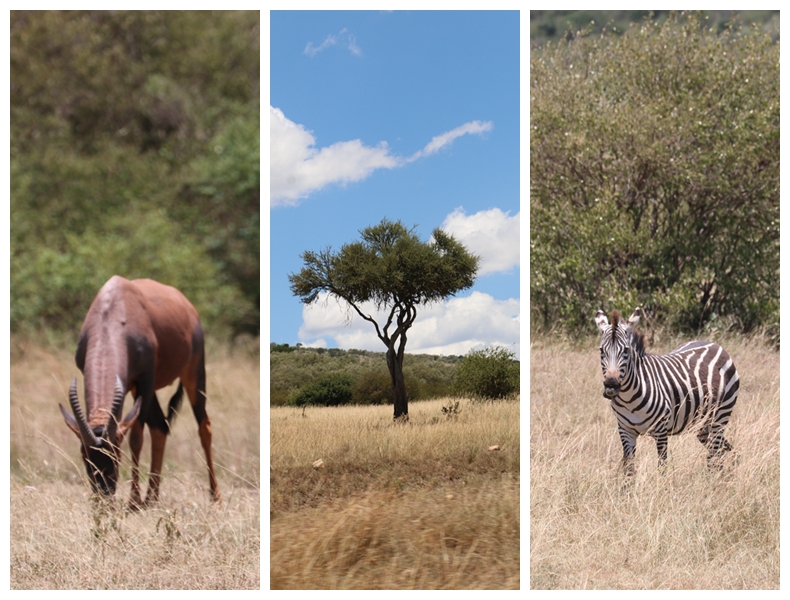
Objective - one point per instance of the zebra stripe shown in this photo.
(661, 395)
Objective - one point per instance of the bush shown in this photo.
(654, 177)
(330, 390)
(373, 387)
(134, 151)
(291, 368)
(275, 347)
(491, 373)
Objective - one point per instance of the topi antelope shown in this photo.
(138, 337)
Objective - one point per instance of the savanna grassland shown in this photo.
(423, 505)
(686, 529)
(58, 540)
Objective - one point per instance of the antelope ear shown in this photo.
(634, 318)
(129, 419)
(70, 421)
(601, 321)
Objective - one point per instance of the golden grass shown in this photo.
(424, 505)
(59, 540)
(687, 529)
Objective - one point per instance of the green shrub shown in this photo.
(275, 347)
(426, 376)
(654, 177)
(329, 390)
(373, 387)
(490, 373)
(130, 156)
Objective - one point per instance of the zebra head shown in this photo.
(617, 350)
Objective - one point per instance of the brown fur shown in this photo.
(615, 324)
(148, 334)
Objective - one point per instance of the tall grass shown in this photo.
(425, 505)
(686, 529)
(60, 540)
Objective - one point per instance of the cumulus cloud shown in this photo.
(298, 168)
(492, 235)
(451, 327)
(344, 38)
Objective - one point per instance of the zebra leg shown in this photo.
(628, 440)
(661, 447)
(712, 437)
(717, 447)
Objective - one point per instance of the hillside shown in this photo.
(291, 368)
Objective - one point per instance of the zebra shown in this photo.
(661, 395)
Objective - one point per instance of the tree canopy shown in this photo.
(654, 176)
(396, 271)
(135, 150)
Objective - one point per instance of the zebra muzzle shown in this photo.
(611, 387)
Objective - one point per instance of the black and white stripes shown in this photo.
(662, 395)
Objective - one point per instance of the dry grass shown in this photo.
(419, 506)
(688, 529)
(60, 541)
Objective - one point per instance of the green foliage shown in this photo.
(654, 174)
(426, 376)
(220, 204)
(373, 387)
(552, 25)
(274, 347)
(54, 286)
(391, 265)
(491, 373)
(134, 151)
(396, 270)
(329, 390)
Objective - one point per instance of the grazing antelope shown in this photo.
(138, 337)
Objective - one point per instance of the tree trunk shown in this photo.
(395, 364)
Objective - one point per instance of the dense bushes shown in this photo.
(134, 151)
(654, 176)
(300, 376)
(488, 374)
(329, 390)
(551, 25)
(292, 369)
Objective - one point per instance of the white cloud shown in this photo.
(298, 168)
(440, 141)
(344, 38)
(492, 235)
(451, 327)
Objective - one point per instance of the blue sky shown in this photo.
(412, 116)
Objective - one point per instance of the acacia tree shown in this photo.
(396, 271)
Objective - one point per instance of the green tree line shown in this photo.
(552, 25)
(318, 376)
(135, 151)
(654, 177)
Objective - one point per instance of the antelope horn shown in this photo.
(117, 405)
(86, 433)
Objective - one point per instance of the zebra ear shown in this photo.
(601, 321)
(634, 318)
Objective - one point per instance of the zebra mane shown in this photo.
(637, 338)
(638, 342)
(615, 325)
